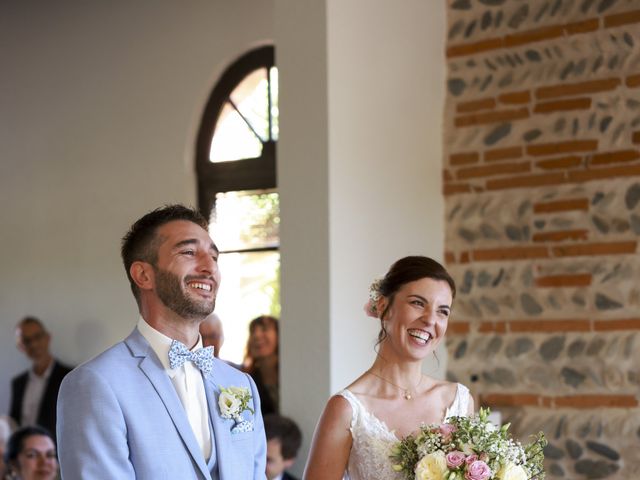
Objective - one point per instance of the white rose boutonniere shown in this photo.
(232, 402)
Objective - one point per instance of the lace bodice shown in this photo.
(372, 439)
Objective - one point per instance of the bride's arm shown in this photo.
(331, 443)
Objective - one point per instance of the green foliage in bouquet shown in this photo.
(468, 448)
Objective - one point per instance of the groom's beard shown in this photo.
(174, 296)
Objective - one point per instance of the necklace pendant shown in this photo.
(407, 395)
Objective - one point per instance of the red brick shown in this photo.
(562, 205)
(491, 117)
(635, 138)
(515, 97)
(546, 402)
(526, 181)
(563, 105)
(559, 163)
(475, 105)
(543, 149)
(624, 18)
(475, 47)
(549, 326)
(633, 81)
(510, 253)
(575, 280)
(535, 35)
(463, 158)
(615, 325)
(598, 173)
(458, 328)
(502, 154)
(613, 157)
(493, 327)
(591, 86)
(595, 401)
(590, 25)
(561, 235)
(612, 248)
(509, 400)
(452, 189)
(465, 257)
(490, 170)
(449, 257)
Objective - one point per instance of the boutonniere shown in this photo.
(232, 402)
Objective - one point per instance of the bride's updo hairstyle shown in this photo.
(407, 270)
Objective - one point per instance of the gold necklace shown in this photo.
(406, 392)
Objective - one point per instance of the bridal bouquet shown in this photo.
(468, 448)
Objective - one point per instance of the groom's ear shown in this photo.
(142, 274)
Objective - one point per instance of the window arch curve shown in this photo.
(244, 101)
(236, 177)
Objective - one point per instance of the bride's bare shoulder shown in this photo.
(444, 389)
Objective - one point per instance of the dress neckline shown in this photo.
(383, 424)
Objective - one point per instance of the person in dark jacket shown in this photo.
(34, 393)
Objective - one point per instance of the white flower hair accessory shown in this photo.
(370, 308)
(232, 402)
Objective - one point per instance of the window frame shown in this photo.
(246, 174)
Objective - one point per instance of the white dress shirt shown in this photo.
(187, 380)
(33, 395)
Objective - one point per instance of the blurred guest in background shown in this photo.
(6, 426)
(283, 441)
(261, 361)
(212, 333)
(31, 455)
(34, 393)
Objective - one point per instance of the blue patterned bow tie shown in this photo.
(202, 358)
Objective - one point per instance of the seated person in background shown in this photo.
(31, 455)
(212, 333)
(34, 393)
(6, 426)
(261, 361)
(283, 441)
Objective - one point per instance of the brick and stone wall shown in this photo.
(542, 185)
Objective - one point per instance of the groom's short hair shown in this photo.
(141, 243)
(285, 430)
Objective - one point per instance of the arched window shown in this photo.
(236, 171)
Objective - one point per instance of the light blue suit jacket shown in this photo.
(119, 417)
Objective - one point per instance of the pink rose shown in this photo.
(471, 458)
(370, 309)
(446, 429)
(455, 459)
(478, 470)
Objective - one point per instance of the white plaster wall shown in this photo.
(99, 105)
(386, 90)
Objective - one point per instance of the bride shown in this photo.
(392, 398)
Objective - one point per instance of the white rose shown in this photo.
(512, 472)
(229, 405)
(432, 467)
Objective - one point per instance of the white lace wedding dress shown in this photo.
(372, 440)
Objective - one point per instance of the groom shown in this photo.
(148, 407)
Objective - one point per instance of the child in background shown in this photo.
(283, 441)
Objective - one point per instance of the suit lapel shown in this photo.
(154, 371)
(221, 427)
